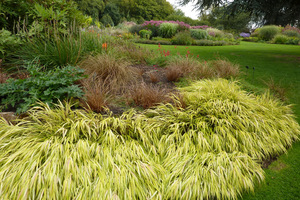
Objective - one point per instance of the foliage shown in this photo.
(145, 34)
(61, 50)
(135, 29)
(147, 10)
(213, 32)
(113, 11)
(8, 43)
(280, 39)
(271, 12)
(224, 112)
(107, 21)
(147, 95)
(92, 8)
(167, 30)
(108, 68)
(210, 148)
(154, 26)
(268, 32)
(45, 86)
(55, 19)
(291, 33)
(224, 69)
(97, 93)
(182, 38)
(199, 34)
(221, 19)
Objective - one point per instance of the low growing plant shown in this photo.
(46, 86)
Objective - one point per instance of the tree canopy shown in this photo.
(279, 12)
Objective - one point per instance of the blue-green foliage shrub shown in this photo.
(267, 33)
(280, 39)
(46, 86)
(199, 34)
(291, 33)
(145, 33)
(183, 38)
(167, 30)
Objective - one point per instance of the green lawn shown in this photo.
(282, 64)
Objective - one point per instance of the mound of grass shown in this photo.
(208, 150)
(222, 117)
(107, 67)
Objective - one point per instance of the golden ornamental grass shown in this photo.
(209, 149)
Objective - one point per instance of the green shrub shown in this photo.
(182, 38)
(167, 30)
(291, 33)
(135, 29)
(145, 33)
(280, 39)
(107, 21)
(8, 43)
(42, 86)
(250, 39)
(267, 33)
(293, 40)
(215, 32)
(199, 34)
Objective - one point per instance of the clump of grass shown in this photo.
(224, 68)
(178, 67)
(153, 77)
(174, 73)
(276, 89)
(107, 67)
(147, 95)
(225, 118)
(98, 93)
(3, 77)
(188, 67)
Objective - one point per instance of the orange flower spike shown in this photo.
(104, 46)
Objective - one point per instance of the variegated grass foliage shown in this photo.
(208, 150)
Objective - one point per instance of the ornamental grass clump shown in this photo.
(108, 68)
(167, 30)
(222, 117)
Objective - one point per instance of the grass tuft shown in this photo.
(106, 67)
(147, 95)
(98, 93)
